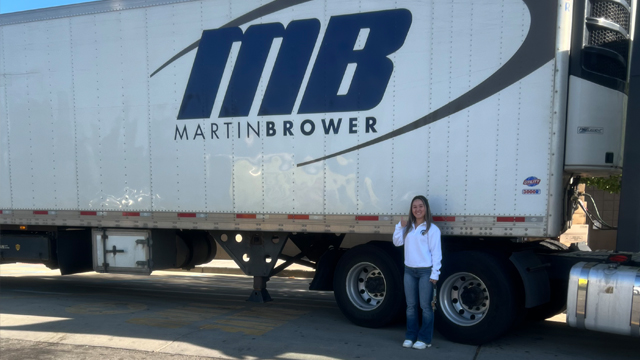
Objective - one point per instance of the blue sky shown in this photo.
(7, 6)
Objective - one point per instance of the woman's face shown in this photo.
(417, 209)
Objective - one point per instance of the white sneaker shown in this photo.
(407, 343)
(419, 345)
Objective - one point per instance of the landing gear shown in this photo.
(260, 293)
(256, 254)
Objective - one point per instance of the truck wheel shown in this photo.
(478, 299)
(368, 286)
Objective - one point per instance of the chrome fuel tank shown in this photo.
(604, 297)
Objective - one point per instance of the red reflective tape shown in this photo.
(40, 212)
(510, 219)
(444, 218)
(130, 214)
(367, 218)
(245, 216)
(187, 215)
(298, 217)
(90, 213)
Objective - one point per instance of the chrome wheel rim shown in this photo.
(366, 286)
(464, 299)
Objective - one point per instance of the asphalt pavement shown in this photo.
(201, 315)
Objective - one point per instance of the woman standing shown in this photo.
(422, 260)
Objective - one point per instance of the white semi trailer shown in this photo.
(138, 134)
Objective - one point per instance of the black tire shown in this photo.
(368, 286)
(479, 299)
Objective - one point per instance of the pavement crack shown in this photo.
(174, 340)
(475, 357)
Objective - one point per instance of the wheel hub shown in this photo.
(375, 284)
(366, 286)
(472, 296)
(464, 299)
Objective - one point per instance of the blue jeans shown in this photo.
(418, 290)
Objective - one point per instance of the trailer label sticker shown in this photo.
(590, 130)
(531, 192)
(531, 181)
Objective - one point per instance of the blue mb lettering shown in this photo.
(387, 33)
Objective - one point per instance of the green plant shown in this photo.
(610, 184)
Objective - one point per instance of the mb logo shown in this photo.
(355, 47)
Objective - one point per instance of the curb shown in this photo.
(236, 271)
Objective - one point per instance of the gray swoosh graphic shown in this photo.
(263, 10)
(537, 49)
